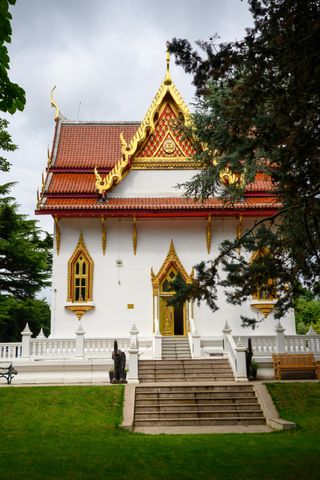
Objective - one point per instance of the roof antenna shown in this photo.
(78, 111)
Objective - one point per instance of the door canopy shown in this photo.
(171, 260)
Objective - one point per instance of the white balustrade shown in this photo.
(303, 344)
(10, 350)
(52, 348)
(236, 353)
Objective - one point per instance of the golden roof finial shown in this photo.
(53, 104)
(167, 79)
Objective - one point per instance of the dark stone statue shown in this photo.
(119, 360)
(249, 355)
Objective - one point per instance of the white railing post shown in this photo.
(241, 360)
(26, 342)
(226, 331)
(195, 336)
(280, 339)
(133, 350)
(80, 342)
(157, 337)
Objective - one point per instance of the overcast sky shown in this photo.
(107, 54)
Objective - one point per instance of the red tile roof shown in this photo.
(79, 147)
(156, 203)
(91, 144)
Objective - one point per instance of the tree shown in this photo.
(307, 309)
(25, 251)
(12, 96)
(258, 109)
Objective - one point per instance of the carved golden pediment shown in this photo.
(171, 259)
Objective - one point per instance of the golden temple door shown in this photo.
(172, 317)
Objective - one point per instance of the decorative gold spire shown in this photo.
(209, 234)
(58, 234)
(134, 236)
(103, 235)
(54, 104)
(239, 233)
(49, 157)
(167, 79)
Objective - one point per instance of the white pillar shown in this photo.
(80, 342)
(241, 361)
(226, 331)
(156, 316)
(133, 350)
(195, 335)
(26, 342)
(280, 341)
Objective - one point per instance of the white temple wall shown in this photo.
(115, 287)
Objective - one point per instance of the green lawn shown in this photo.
(71, 433)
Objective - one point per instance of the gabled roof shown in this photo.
(89, 159)
(89, 145)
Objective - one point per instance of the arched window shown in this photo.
(264, 291)
(80, 274)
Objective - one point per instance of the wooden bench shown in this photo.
(8, 372)
(295, 362)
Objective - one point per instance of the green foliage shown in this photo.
(307, 313)
(19, 312)
(12, 96)
(258, 111)
(72, 433)
(25, 255)
(5, 144)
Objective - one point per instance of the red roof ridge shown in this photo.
(99, 122)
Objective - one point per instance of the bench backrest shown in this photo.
(299, 359)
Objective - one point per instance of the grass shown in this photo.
(72, 433)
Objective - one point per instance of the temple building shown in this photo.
(123, 230)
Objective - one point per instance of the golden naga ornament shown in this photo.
(54, 104)
(227, 177)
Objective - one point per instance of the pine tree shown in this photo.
(258, 109)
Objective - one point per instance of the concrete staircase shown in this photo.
(198, 405)
(151, 371)
(175, 348)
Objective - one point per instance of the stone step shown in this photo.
(204, 398)
(215, 402)
(186, 371)
(258, 420)
(194, 389)
(198, 407)
(160, 415)
(194, 362)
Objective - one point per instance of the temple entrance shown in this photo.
(172, 317)
(169, 320)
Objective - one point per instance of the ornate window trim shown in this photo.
(260, 301)
(80, 249)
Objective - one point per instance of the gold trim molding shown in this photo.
(81, 247)
(209, 234)
(264, 307)
(103, 235)
(57, 233)
(79, 310)
(134, 236)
